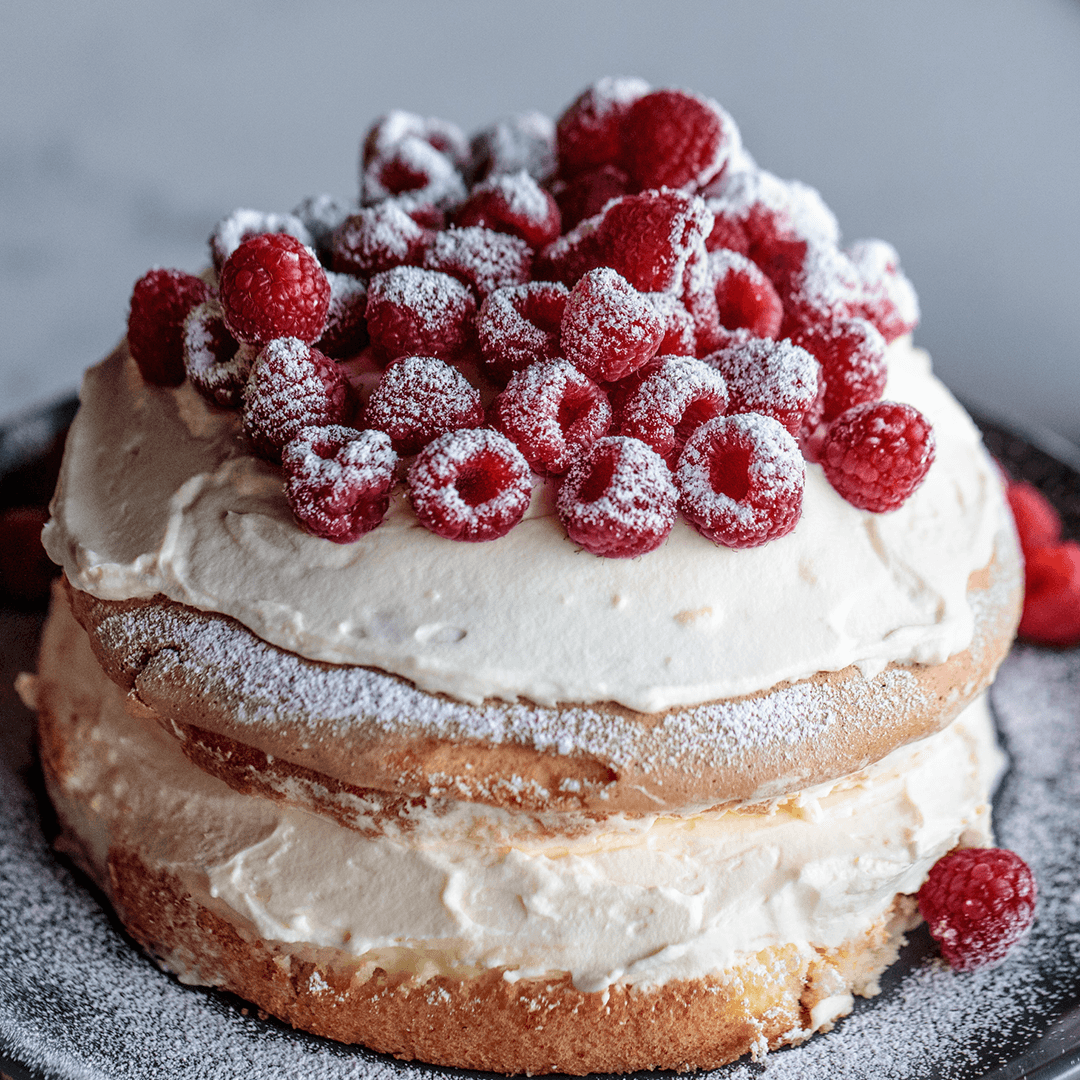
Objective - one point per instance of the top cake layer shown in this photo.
(160, 495)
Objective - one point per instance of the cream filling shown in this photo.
(632, 900)
(158, 495)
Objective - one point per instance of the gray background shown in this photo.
(951, 128)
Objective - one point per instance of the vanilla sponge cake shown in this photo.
(511, 805)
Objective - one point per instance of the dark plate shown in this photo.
(79, 1000)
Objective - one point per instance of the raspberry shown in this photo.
(745, 297)
(513, 203)
(377, 238)
(389, 130)
(740, 480)
(321, 215)
(608, 328)
(346, 323)
(891, 304)
(774, 378)
(272, 286)
(471, 484)
(771, 221)
(699, 298)
(618, 501)
(1051, 613)
(852, 357)
(482, 258)
(672, 403)
(1037, 522)
(649, 238)
(678, 337)
(875, 455)
(216, 364)
(675, 139)
(415, 312)
(977, 902)
(567, 259)
(160, 302)
(230, 232)
(589, 193)
(338, 480)
(414, 170)
(419, 398)
(826, 286)
(589, 134)
(553, 413)
(292, 386)
(519, 325)
(524, 141)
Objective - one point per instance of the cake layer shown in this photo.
(160, 496)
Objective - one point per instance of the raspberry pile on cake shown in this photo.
(553, 586)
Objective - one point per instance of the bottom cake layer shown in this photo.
(736, 931)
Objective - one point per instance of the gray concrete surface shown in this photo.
(949, 127)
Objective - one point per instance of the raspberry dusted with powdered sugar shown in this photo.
(416, 312)
(338, 480)
(416, 172)
(745, 297)
(679, 331)
(292, 386)
(160, 302)
(977, 903)
(619, 500)
(740, 480)
(217, 365)
(522, 141)
(230, 232)
(419, 398)
(377, 238)
(518, 325)
(676, 139)
(471, 484)
(876, 455)
(589, 193)
(272, 286)
(553, 413)
(588, 135)
(574, 254)
(609, 329)
(672, 403)
(774, 378)
(397, 125)
(890, 303)
(650, 238)
(513, 203)
(483, 259)
(346, 318)
(852, 357)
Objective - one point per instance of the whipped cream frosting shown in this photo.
(159, 494)
(626, 900)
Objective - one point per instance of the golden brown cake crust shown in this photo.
(252, 713)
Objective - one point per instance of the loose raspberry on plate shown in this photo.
(672, 403)
(346, 319)
(676, 139)
(377, 238)
(216, 363)
(512, 203)
(875, 455)
(338, 480)
(553, 413)
(471, 485)
(609, 329)
(1051, 614)
(272, 286)
(420, 398)
(483, 259)
(415, 171)
(619, 500)
(977, 903)
(518, 325)
(523, 141)
(852, 357)
(416, 312)
(650, 238)
(745, 297)
(890, 304)
(292, 386)
(740, 480)
(230, 232)
(774, 378)
(1038, 524)
(160, 302)
(588, 193)
(588, 135)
